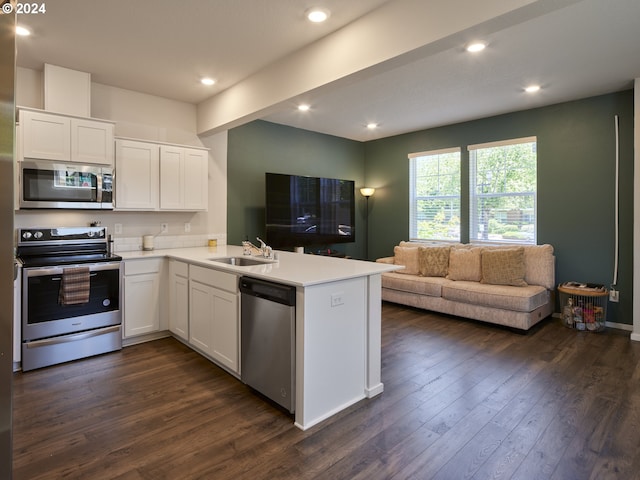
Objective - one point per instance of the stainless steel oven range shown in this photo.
(70, 295)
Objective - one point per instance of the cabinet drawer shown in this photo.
(214, 278)
(138, 267)
(179, 268)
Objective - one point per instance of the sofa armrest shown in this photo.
(388, 260)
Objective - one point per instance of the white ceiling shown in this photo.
(576, 49)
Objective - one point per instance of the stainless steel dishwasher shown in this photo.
(268, 337)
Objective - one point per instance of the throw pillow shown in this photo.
(504, 267)
(410, 244)
(464, 264)
(407, 256)
(434, 261)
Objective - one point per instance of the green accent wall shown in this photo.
(576, 186)
(259, 147)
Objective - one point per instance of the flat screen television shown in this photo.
(303, 211)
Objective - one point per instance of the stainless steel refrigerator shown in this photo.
(7, 137)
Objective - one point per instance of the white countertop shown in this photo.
(296, 269)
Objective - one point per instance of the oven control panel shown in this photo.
(60, 234)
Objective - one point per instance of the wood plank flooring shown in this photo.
(462, 400)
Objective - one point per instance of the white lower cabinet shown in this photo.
(179, 299)
(143, 296)
(214, 322)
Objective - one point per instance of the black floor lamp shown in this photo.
(367, 192)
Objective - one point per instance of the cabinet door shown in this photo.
(179, 299)
(45, 136)
(171, 178)
(91, 141)
(136, 175)
(214, 323)
(141, 304)
(225, 328)
(196, 179)
(201, 310)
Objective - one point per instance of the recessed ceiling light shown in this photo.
(476, 47)
(372, 126)
(207, 81)
(317, 15)
(303, 107)
(23, 31)
(532, 88)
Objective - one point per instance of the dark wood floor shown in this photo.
(462, 400)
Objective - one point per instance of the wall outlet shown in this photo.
(117, 229)
(614, 295)
(164, 227)
(337, 299)
(187, 227)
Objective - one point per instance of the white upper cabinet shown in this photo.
(152, 176)
(171, 177)
(183, 178)
(196, 179)
(50, 136)
(136, 175)
(45, 136)
(91, 141)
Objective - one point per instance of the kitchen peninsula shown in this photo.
(337, 323)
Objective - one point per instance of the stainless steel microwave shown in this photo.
(53, 184)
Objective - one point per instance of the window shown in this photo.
(502, 191)
(435, 195)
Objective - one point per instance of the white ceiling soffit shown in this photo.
(164, 47)
(394, 34)
(407, 71)
(588, 48)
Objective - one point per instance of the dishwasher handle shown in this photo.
(274, 292)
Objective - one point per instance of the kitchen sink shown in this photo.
(240, 261)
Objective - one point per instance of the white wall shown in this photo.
(147, 117)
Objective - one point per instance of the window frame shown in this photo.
(474, 197)
(414, 198)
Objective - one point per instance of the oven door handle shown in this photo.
(45, 271)
(72, 338)
(57, 279)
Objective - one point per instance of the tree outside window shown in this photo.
(435, 195)
(502, 190)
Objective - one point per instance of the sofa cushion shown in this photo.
(503, 266)
(408, 257)
(410, 244)
(540, 265)
(431, 286)
(507, 297)
(464, 264)
(434, 261)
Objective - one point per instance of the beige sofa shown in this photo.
(505, 285)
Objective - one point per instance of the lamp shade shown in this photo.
(367, 191)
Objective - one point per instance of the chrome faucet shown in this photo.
(265, 250)
(247, 247)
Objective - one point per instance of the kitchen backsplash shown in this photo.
(131, 244)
